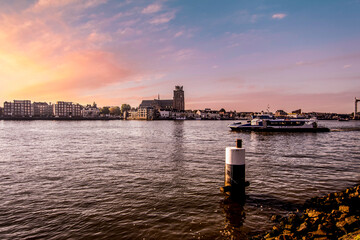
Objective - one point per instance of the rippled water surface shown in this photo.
(160, 179)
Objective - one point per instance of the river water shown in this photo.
(160, 179)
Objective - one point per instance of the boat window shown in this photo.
(285, 123)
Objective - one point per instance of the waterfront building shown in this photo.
(146, 113)
(244, 115)
(208, 114)
(179, 115)
(157, 104)
(179, 99)
(77, 110)
(143, 113)
(189, 114)
(18, 108)
(175, 104)
(133, 114)
(165, 114)
(62, 109)
(66, 109)
(356, 115)
(1, 111)
(43, 109)
(90, 111)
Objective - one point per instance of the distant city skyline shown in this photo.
(237, 55)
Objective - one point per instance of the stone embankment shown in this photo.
(334, 216)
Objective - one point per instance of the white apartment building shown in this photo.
(90, 112)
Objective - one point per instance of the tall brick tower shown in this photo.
(179, 99)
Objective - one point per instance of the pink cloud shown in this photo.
(153, 8)
(178, 34)
(279, 16)
(45, 56)
(80, 71)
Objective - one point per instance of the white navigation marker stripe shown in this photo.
(235, 156)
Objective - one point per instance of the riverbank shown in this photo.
(333, 216)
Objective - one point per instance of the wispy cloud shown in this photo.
(279, 16)
(178, 34)
(347, 66)
(163, 18)
(153, 8)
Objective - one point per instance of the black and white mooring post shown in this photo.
(235, 171)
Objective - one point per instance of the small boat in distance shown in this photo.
(267, 123)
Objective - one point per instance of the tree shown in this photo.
(115, 111)
(104, 110)
(222, 110)
(125, 107)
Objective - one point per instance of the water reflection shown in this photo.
(178, 140)
(234, 214)
(177, 156)
(160, 179)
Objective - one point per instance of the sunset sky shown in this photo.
(240, 55)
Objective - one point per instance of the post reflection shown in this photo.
(234, 214)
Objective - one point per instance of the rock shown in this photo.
(275, 230)
(344, 209)
(293, 218)
(303, 227)
(339, 200)
(283, 237)
(341, 225)
(313, 213)
(275, 218)
(328, 217)
(268, 236)
(318, 233)
(288, 226)
(335, 213)
(352, 222)
(353, 195)
(343, 216)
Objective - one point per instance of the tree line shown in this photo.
(115, 111)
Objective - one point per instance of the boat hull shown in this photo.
(269, 129)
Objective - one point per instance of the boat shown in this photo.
(267, 123)
(343, 119)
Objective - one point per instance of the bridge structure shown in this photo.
(356, 101)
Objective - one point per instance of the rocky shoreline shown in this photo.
(333, 216)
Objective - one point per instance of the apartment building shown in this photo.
(43, 109)
(19, 108)
(66, 109)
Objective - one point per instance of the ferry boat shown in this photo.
(267, 123)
